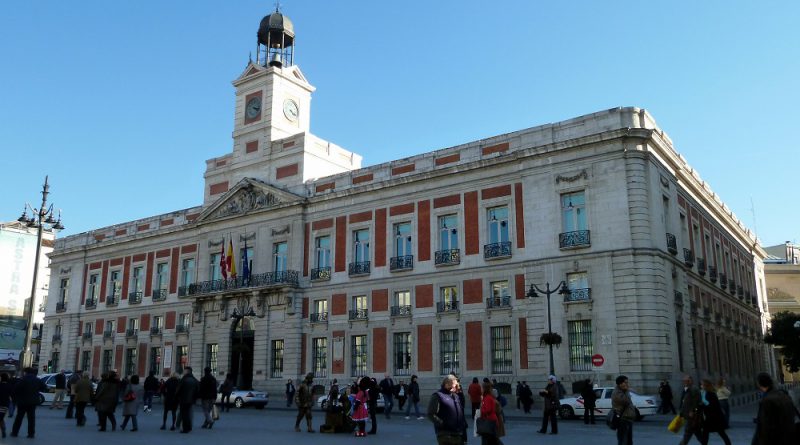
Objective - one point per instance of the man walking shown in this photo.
(187, 396)
(621, 403)
(73, 379)
(208, 395)
(305, 403)
(589, 401)
(387, 391)
(61, 390)
(151, 387)
(446, 412)
(690, 411)
(665, 392)
(775, 422)
(82, 390)
(26, 396)
(290, 391)
(552, 398)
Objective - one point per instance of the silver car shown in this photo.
(242, 397)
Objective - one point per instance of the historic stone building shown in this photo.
(421, 265)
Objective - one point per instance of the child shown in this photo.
(360, 413)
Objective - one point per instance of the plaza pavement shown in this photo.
(275, 425)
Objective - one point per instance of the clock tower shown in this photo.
(273, 97)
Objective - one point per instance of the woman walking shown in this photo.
(169, 395)
(226, 389)
(489, 412)
(106, 400)
(723, 394)
(712, 413)
(360, 413)
(131, 400)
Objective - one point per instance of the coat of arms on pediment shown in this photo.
(247, 196)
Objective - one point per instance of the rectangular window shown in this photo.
(63, 291)
(573, 211)
(93, 287)
(448, 232)
(402, 298)
(86, 361)
(184, 320)
(130, 361)
(133, 324)
(109, 328)
(137, 282)
(88, 327)
(402, 239)
(187, 271)
(214, 271)
(358, 357)
(580, 345)
(448, 299)
(448, 351)
(319, 353)
(279, 251)
(54, 361)
(321, 306)
(578, 284)
(107, 363)
(359, 310)
(322, 254)
(114, 286)
(497, 222)
(155, 360)
(277, 358)
(501, 350)
(211, 357)
(162, 276)
(181, 358)
(500, 295)
(361, 246)
(402, 353)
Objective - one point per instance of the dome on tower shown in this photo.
(273, 26)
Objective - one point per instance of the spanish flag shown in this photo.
(230, 260)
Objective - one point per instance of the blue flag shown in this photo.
(245, 264)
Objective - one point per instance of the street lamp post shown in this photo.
(42, 219)
(242, 310)
(533, 292)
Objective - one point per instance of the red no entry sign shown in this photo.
(598, 360)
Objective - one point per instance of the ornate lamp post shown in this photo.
(242, 310)
(42, 219)
(533, 292)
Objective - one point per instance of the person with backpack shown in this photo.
(552, 399)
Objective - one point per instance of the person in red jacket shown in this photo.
(475, 393)
(489, 412)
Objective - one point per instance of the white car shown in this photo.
(573, 406)
(242, 398)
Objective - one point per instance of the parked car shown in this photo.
(244, 397)
(50, 381)
(322, 402)
(573, 406)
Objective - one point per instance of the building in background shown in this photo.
(782, 273)
(301, 260)
(18, 251)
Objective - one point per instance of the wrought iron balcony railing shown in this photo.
(159, 294)
(86, 335)
(712, 274)
(359, 268)
(91, 304)
(359, 314)
(672, 244)
(723, 280)
(397, 263)
(497, 250)
(134, 298)
(447, 257)
(108, 334)
(319, 317)
(61, 306)
(579, 295)
(688, 257)
(183, 291)
(155, 330)
(56, 338)
(498, 302)
(321, 274)
(131, 333)
(701, 266)
(268, 279)
(678, 297)
(447, 306)
(578, 238)
(112, 300)
(182, 329)
(740, 291)
(401, 311)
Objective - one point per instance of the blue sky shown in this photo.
(122, 102)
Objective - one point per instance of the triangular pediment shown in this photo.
(251, 69)
(247, 196)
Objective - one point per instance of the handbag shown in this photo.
(214, 412)
(130, 396)
(676, 424)
(485, 426)
(613, 418)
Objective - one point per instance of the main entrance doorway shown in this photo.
(242, 342)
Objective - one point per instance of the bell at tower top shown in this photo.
(275, 41)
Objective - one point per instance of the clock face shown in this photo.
(253, 108)
(290, 110)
